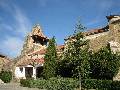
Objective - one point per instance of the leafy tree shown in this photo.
(75, 59)
(81, 57)
(49, 68)
(104, 64)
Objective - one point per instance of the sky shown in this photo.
(56, 18)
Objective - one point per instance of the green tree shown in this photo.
(104, 64)
(49, 68)
(81, 54)
(75, 58)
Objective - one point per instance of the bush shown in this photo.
(96, 84)
(101, 84)
(6, 76)
(51, 84)
(62, 84)
(25, 82)
(70, 84)
(104, 64)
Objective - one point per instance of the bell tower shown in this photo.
(34, 41)
(38, 37)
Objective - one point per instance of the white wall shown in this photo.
(19, 74)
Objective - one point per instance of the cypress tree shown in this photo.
(49, 68)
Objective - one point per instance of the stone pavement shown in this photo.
(14, 86)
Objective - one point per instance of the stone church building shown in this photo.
(31, 60)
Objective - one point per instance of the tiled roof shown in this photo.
(41, 52)
(96, 31)
(60, 48)
(92, 32)
(39, 60)
(31, 62)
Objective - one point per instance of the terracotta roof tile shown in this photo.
(32, 61)
(95, 31)
(41, 52)
(60, 47)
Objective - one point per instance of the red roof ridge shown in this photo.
(96, 31)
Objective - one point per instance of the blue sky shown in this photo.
(56, 17)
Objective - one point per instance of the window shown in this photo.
(21, 69)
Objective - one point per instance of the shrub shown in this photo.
(96, 84)
(104, 64)
(51, 84)
(101, 84)
(25, 82)
(62, 84)
(70, 84)
(6, 76)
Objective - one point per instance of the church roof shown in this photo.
(41, 52)
(31, 62)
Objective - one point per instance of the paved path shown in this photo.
(14, 86)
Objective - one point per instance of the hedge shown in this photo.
(51, 84)
(101, 84)
(70, 84)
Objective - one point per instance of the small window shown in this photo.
(21, 69)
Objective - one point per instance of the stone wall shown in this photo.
(102, 39)
(3, 61)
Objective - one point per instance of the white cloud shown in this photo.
(19, 26)
(23, 24)
(11, 46)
